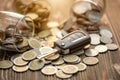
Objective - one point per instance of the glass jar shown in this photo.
(89, 12)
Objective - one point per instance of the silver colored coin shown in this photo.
(29, 55)
(95, 39)
(91, 52)
(105, 32)
(101, 48)
(70, 69)
(15, 56)
(19, 61)
(59, 61)
(5, 64)
(112, 46)
(93, 16)
(20, 68)
(34, 43)
(60, 74)
(106, 40)
(81, 66)
(36, 64)
(80, 52)
(49, 70)
(90, 60)
(70, 58)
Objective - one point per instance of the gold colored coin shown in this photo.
(49, 70)
(70, 69)
(81, 66)
(5, 64)
(53, 57)
(34, 43)
(44, 33)
(14, 56)
(19, 61)
(29, 55)
(90, 60)
(20, 68)
(59, 61)
(70, 58)
(45, 49)
(60, 74)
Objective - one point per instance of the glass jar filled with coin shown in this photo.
(38, 10)
(88, 12)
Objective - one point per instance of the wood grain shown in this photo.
(105, 66)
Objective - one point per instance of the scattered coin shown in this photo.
(87, 46)
(60, 66)
(70, 69)
(53, 57)
(93, 16)
(81, 66)
(78, 61)
(70, 58)
(44, 33)
(80, 52)
(90, 60)
(60, 74)
(20, 68)
(91, 52)
(19, 61)
(112, 46)
(101, 48)
(106, 40)
(105, 32)
(95, 39)
(14, 56)
(59, 61)
(45, 49)
(46, 61)
(36, 64)
(49, 70)
(34, 43)
(29, 55)
(5, 64)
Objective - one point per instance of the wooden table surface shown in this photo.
(96, 72)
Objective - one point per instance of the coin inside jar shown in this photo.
(90, 60)
(20, 68)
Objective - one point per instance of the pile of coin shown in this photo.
(38, 11)
(87, 12)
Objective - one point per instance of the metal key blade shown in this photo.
(47, 54)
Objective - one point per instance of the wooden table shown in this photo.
(105, 66)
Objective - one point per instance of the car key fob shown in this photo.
(73, 41)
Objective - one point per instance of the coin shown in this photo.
(87, 46)
(105, 32)
(36, 64)
(60, 74)
(15, 56)
(29, 55)
(53, 57)
(91, 52)
(33, 16)
(5, 64)
(49, 70)
(106, 40)
(20, 68)
(19, 61)
(81, 7)
(81, 66)
(95, 39)
(24, 43)
(45, 49)
(112, 46)
(80, 52)
(90, 60)
(59, 61)
(70, 69)
(78, 61)
(34, 43)
(70, 58)
(93, 16)
(44, 33)
(101, 48)
(46, 61)
(60, 66)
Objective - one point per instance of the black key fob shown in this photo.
(73, 41)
